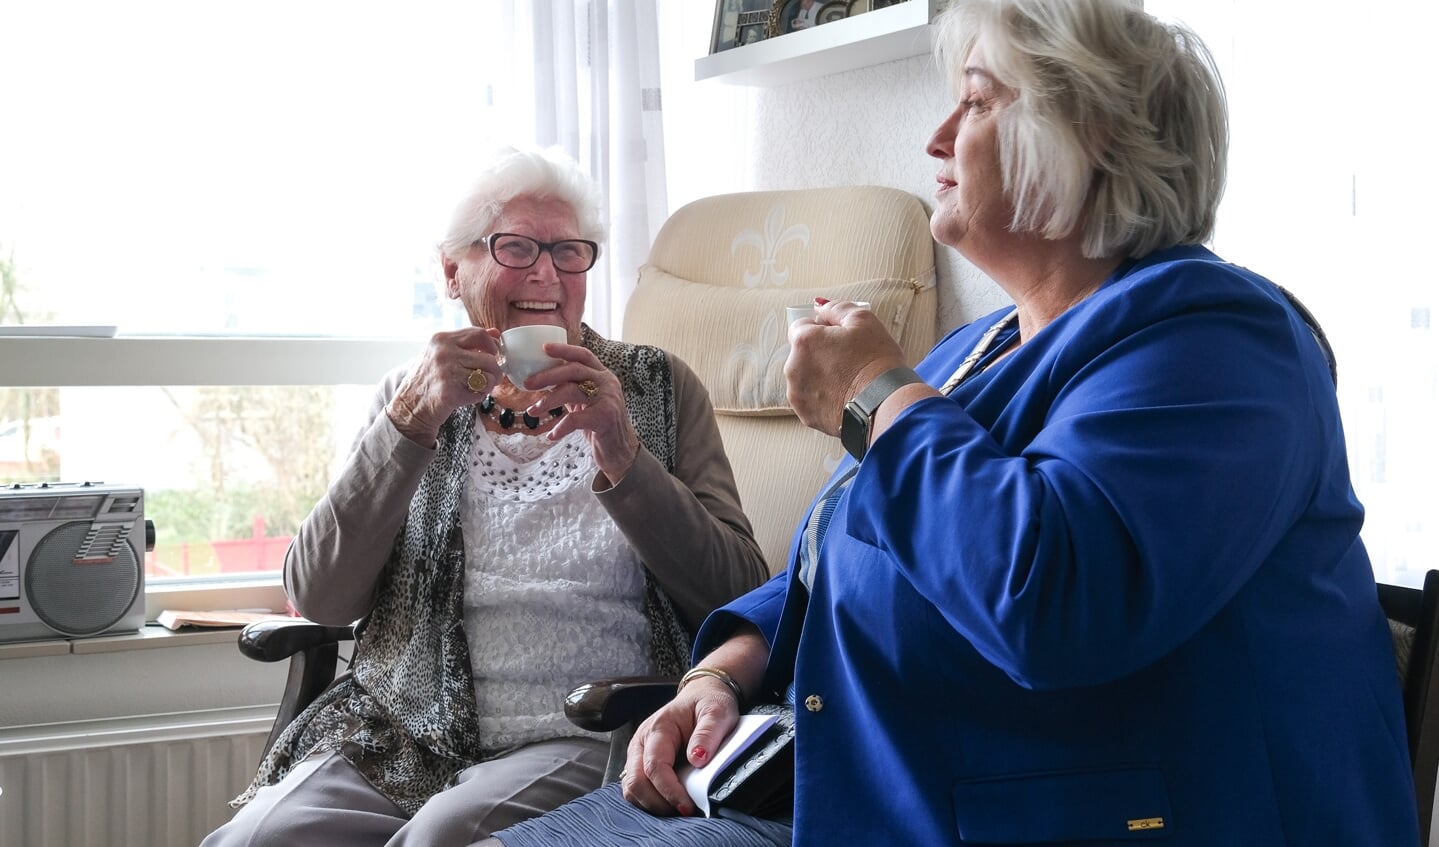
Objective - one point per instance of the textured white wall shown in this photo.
(869, 126)
(866, 126)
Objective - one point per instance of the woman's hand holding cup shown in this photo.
(832, 356)
(454, 367)
(594, 404)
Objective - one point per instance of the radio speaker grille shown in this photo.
(79, 599)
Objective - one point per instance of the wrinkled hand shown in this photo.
(439, 384)
(594, 403)
(699, 718)
(832, 357)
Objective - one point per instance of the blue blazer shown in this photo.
(1110, 591)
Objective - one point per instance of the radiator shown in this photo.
(153, 781)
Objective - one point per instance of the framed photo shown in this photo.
(795, 15)
(858, 6)
(833, 11)
(741, 22)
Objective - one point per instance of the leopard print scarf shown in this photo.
(405, 715)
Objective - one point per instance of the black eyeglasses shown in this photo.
(572, 255)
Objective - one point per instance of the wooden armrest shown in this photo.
(271, 641)
(1401, 603)
(608, 704)
(313, 650)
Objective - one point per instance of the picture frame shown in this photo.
(793, 16)
(741, 22)
(860, 6)
(833, 11)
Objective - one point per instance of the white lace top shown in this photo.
(553, 591)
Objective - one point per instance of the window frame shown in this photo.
(58, 362)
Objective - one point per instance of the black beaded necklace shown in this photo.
(506, 417)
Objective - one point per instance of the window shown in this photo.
(1329, 195)
(228, 469)
(249, 197)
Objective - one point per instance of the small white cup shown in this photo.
(807, 310)
(522, 350)
(794, 313)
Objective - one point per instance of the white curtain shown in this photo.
(583, 75)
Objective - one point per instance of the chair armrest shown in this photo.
(313, 650)
(271, 641)
(608, 704)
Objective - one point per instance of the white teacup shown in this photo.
(522, 350)
(807, 310)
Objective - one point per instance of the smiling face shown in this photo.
(971, 211)
(501, 297)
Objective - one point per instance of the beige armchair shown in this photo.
(713, 292)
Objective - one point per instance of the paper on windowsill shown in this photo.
(174, 620)
(697, 781)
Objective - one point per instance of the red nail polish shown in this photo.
(699, 754)
(820, 301)
(686, 811)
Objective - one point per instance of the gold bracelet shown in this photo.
(714, 673)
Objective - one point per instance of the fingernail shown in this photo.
(686, 811)
(699, 754)
(820, 301)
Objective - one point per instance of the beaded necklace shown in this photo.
(506, 417)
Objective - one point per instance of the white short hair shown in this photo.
(511, 173)
(1119, 123)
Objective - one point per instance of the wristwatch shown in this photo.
(859, 412)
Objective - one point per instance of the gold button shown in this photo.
(814, 702)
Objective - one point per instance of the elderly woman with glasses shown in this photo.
(500, 543)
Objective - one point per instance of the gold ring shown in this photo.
(478, 381)
(589, 388)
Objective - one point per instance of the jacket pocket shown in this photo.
(1118, 806)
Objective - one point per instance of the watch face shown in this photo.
(854, 430)
(859, 413)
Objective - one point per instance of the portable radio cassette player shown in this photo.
(72, 560)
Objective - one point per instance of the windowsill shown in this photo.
(265, 594)
(47, 362)
(151, 637)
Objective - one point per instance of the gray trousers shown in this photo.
(325, 801)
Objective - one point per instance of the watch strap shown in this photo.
(859, 412)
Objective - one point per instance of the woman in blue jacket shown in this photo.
(1096, 576)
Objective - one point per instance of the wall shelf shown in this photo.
(871, 38)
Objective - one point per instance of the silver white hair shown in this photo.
(1119, 123)
(511, 173)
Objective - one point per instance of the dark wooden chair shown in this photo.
(1414, 622)
(314, 654)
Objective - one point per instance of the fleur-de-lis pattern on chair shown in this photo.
(757, 368)
(713, 292)
(767, 244)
